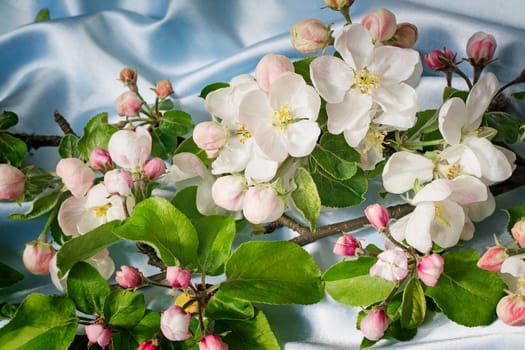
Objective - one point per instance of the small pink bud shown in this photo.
(430, 269)
(511, 310)
(518, 232)
(210, 137)
(36, 257)
(148, 345)
(310, 35)
(130, 149)
(154, 168)
(12, 182)
(212, 342)
(405, 35)
(440, 59)
(492, 259)
(262, 204)
(338, 5)
(99, 159)
(177, 277)
(228, 192)
(374, 324)
(175, 324)
(392, 265)
(346, 245)
(481, 47)
(270, 67)
(98, 334)
(377, 215)
(381, 24)
(128, 76)
(118, 181)
(163, 89)
(128, 277)
(76, 176)
(128, 104)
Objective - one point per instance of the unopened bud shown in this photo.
(163, 89)
(212, 342)
(12, 182)
(430, 269)
(381, 24)
(148, 345)
(36, 257)
(210, 137)
(346, 245)
(98, 334)
(118, 181)
(440, 59)
(262, 204)
(270, 67)
(128, 104)
(492, 259)
(310, 35)
(178, 277)
(405, 36)
(480, 48)
(128, 277)
(175, 324)
(377, 215)
(374, 324)
(228, 192)
(128, 76)
(511, 310)
(338, 5)
(518, 232)
(99, 159)
(154, 168)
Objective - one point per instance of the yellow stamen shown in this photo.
(453, 171)
(439, 210)
(365, 82)
(101, 211)
(245, 134)
(283, 117)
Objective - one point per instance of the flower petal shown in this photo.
(514, 265)
(70, 212)
(393, 64)
(355, 45)
(353, 113)
(479, 99)
(446, 230)
(403, 169)
(301, 138)
(399, 104)
(468, 189)
(481, 210)
(331, 77)
(418, 227)
(495, 166)
(452, 118)
(435, 191)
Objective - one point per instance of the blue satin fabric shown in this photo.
(72, 62)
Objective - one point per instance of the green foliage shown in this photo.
(414, 307)
(12, 150)
(278, 272)
(130, 338)
(157, 222)
(124, 308)
(302, 67)
(335, 157)
(212, 87)
(426, 122)
(223, 306)
(42, 15)
(41, 322)
(340, 194)
(349, 282)
(508, 128)
(97, 133)
(188, 145)
(305, 197)
(42, 204)
(9, 275)
(186, 201)
(68, 146)
(165, 104)
(216, 235)
(519, 95)
(7, 120)
(515, 214)
(466, 294)
(451, 92)
(87, 288)
(172, 125)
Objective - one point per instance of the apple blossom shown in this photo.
(262, 204)
(514, 265)
(76, 175)
(212, 342)
(374, 324)
(430, 268)
(492, 259)
(118, 181)
(440, 59)
(36, 257)
(518, 232)
(154, 168)
(128, 277)
(175, 323)
(310, 35)
(511, 310)
(163, 89)
(270, 67)
(480, 48)
(210, 136)
(98, 334)
(403, 169)
(392, 265)
(178, 277)
(99, 159)
(12, 182)
(130, 149)
(381, 24)
(128, 104)
(405, 35)
(346, 245)
(148, 345)
(377, 215)
(228, 192)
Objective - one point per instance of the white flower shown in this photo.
(402, 170)
(514, 265)
(392, 265)
(367, 85)
(283, 122)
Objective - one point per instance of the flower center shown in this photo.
(521, 284)
(453, 171)
(365, 82)
(282, 117)
(439, 210)
(101, 210)
(244, 133)
(374, 140)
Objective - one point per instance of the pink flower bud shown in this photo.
(163, 89)
(177, 277)
(148, 345)
(392, 265)
(430, 269)
(381, 24)
(228, 192)
(12, 182)
(346, 245)
(118, 181)
(128, 76)
(338, 5)
(98, 334)
(310, 35)
(36, 257)
(175, 324)
(492, 259)
(270, 67)
(128, 104)
(511, 310)
(99, 159)
(76, 176)
(130, 149)
(212, 342)
(405, 35)
(440, 59)
(518, 232)
(377, 215)
(128, 277)
(481, 47)
(262, 204)
(374, 324)
(154, 168)
(210, 137)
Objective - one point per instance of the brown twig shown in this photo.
(63, 124)
(34, 141)
(153, 258)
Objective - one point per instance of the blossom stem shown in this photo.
(462, 75)
(424, 143)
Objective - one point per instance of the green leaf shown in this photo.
(463, 284)
(87, 288)
(188, 145)
(519, 95)
(222, 306)
(212, 87)
(42, 204)
(427, 121)
(97, 133)
(166, 104)
(515, 214)
(68, 146)
(508, 128)
(157, 222)
(277, 272)
(130, 338)
(349, 282)
(12, 150)
(253, 334)
(41, 322)
(186, 201)
(9, 275)
(7, 120)
(305, 197)
(450, 92)
(124, 308)
(302, 67)
(216, 235)
(414, 307)
(42, 15)
(398, 332)
(340, 194)
(85, 246)
(335, 157)
(172, 125)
